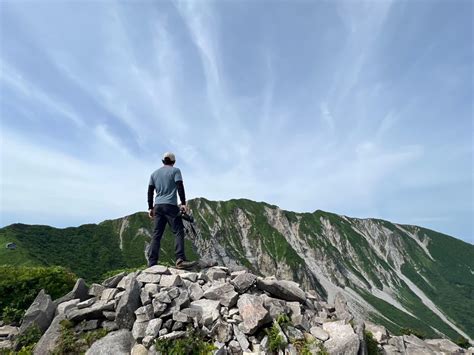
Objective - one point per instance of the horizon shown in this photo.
(360, 108)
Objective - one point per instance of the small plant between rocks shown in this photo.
(194, 343)
(372, 345)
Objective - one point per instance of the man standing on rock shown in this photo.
(166, 181)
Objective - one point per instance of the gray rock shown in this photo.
(244, 281)
(152, 289)
(154, 327)
(216, 273)
(158, 307)
(139, 349)
(342, 339)
(172, 335)
(285, 290)
(195, 292)
(157, 269)
(319, 333)
(113, 281)
(86, 303)
(86, 326)
(168, 324)
(234, 347)
(173, 292)
(170, 280)
(50, 338)
(341, 309)
(117, 343)
(224, 293)
(416, 350)
(252, 312)
(209, 310)
(80, 291)
(274, 306)
(222, 331)
(109, 315)
(191, 276)
(293, 334)
(40, 313)
(6, 345)
(411, 339)
(139, 329)
(149, 278)
(182, 300)
(128, 304)
(444, 345)
(379, 332)
(96, 290)
(144, 313)
(181, 317)
(125, 281)
(163, 297)
(65, 307)
(241, 338)
(109, 325)
(359, 329)
(390, 350)
(94, 311)
(147, 342)
(397, 341)
(177, 326)
(108, 294)
(163, 331)
(8, 331)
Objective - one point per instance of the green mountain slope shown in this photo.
(399, 275)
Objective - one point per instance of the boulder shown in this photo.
(216, 273)
(342, 339)
(118, 343)
(253, 314)
(209, 310)
(65, 307)
(222, 331)
(379, 332)
(444, 345)
(153, 327)
(139, 349)
(94, 311)
(158, 307)
(8, 331)
(157, 269)
(195, 292)
(86, 303)
(40, 313)
(108, 294)
(86, 326)
(173, 335)
(144, 313)
(128, 304)
(138, 330)
(50, 338)
(96, 290)
(80, 291)
(285, 290)
(113, 281)
(241, 338)
(170, 280)
(319, 333)
(244, 281)
(224, 293)
(274, 306)
(149, 278)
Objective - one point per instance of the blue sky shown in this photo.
(359, 108)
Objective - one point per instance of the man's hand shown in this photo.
(150, 213)
(183, 208)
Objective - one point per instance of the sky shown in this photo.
(361, 108)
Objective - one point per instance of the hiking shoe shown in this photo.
(183, 264)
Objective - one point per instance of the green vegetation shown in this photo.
(29, 338)
(415, 332)
(275, 340)
(19, 286)
(72, 343)
(463, 342)
(193, 343)
(372, 346)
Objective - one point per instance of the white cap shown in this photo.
(169, 155)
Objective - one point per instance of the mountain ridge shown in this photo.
(401, 274)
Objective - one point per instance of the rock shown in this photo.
(252, 312)
(191, 276)
(359, 329)
(163, 297)
(416, 350)
(379, 332)
(444, 345)
(128, 304)
(222, 332)
(411, 339)
(234, 274)
(170, 280)
(144, 313)
(173, 292)
(113, 281)
(224, 293)
(80, 291)
(148, 341)
(149, 278)
(244, 281)
(96, 290)
(153, 327)
(319, 333)
(397, 341)
(234, 347)
(117, 343)
(293, 334)
(290, 350)
(182, 300)
(109, 315)
(216, 273)
(139, 349)
(342, 339)
(241, 338)
(285, 290)
(168, 324)
(86, 326)
(65, 307)
(50, 338)
(177, 326)
(195, 292)
(274, 306)
(125, 281)
(157, 269)
(108, 294)
(6, 345)
(86, 303)
(181, 317)
(341, 309)
(138, 330)
(173, 335)
(40, 313)
(209, 310)
(110, 326)
(94, 311)
(390, 350)
(8, 331)
(158, 307)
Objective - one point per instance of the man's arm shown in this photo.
(182, 195)
(151, 190)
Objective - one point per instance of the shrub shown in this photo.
(12, 315)
(409, 331)
(372, 346)
(30, 337)
(275, 340)
(463, 342)
(192, 344)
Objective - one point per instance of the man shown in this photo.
(166, 181)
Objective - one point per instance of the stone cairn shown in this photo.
(231, 309)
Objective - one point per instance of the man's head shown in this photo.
(168, 158)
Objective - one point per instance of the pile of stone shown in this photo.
(230, 309)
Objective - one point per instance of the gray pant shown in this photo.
(164, 213)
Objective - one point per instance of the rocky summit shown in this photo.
(159, 310)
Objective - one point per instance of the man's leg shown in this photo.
(176, 223)
(160, 224)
